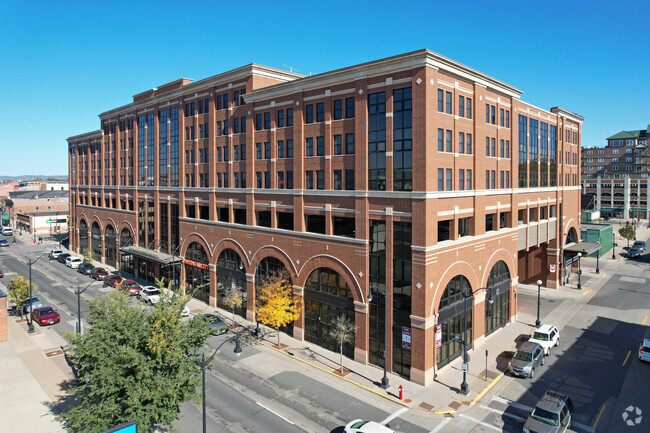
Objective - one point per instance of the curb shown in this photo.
(475, 400)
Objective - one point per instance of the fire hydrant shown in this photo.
(401, 396)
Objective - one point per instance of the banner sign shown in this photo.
(438, 336)
(196, 264)
(406, 338)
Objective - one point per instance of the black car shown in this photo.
(85, 268)
(553, 413)
(4, 243)
(634, 252)
(62, 257)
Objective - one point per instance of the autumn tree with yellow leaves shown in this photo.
(275, 304)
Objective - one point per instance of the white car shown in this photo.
(170, 296)
(361, 426)
(644, 351)
(546, 336)
(74, 262)
(55, 254)
(150, 294)
(68, 260)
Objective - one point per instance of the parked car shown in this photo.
(150, 294)
(640, 245)
(634, 252)
(62, 257)
(525, 360)
(34, 301)
(54, 254)
(131, 286)
(46, 316)
(217, 325)
(546, 336)
(99, 273)
(170, 296)
(113, 280)
(4, 243)
(7, 231)
(361, 426)
(553, 413)
(74, 262)
(644, 350)
(1, 274)
(85, 268)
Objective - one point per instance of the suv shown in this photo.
(526, 359)
(54, 254)
(546, 336)
(150, 294)
(640, 245)
(634, 252)
(553, 413)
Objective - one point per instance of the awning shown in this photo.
(154, 256)
(585, 248)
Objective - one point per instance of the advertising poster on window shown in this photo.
(406, 338)
(438, 336)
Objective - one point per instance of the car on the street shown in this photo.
(62, 257)
(4, 243)
(362, 426)
(546, 336)
(34, 301)
(553, 413)
(644, 350)
(634, 252)
(215, 323)
(150, 294)
(113, 280)
(170, 296)
(46, 316)
(526, 359)
(7, 231)
(640, 245)
(99, 273)
(1, 274)
(74, 262)
(132, 287)
(85, 268)
(54, 254)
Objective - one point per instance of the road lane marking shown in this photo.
(586, 292)
(599, 415)
(529, 409)
(644, 320)
(626, 357)
(500, 412)
(441, 425)
(484, 424)
(393, 416)
(274, 413)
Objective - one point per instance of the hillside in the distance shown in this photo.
(4, 178)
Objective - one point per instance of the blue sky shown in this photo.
(63, 63)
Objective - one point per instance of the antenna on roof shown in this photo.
(291, 68)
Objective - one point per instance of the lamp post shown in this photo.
(384, 380)
(30, 326)
(613, 244)
(579, 271)
(78, 293)
(598, 259)
(464, 388)
(237, 351)
(538, 322)
(174, 251)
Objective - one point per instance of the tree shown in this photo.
(343, 330)
(134, 364)
(87, 256)
(233, 299)
(276, 306)
(19, 292)
(628, 233)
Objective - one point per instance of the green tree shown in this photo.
(628, 233)
(134, 364)
(233, 299)
(343, 330)
(19, 292)
(87, 256)
(276, 306)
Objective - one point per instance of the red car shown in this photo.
(113, 280)
(99, 273)
(131, 286)
(45, 316)
(1, 274)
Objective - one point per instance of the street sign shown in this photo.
(438, 336)
(463, 367)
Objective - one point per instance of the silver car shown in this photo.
(526, 360)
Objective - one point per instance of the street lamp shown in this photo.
(598, 259)
(384, 380)
(613, 244)
(78, 293)
(538, 322)
(237, 351)
(174, 251)
(30, 326)
(579, 271)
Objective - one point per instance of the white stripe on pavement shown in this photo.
(441, 425)
(484, 424)
(274, 413)
(393, 416)
(500, 412)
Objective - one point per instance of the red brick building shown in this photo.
(414, 178)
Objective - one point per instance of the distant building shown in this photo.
(37, 203)
(617, 175)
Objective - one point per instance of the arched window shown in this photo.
(110, 246)
(231, 276)
(268, 267)
(497, 302)
(454, 319)
(96, 241)
(83, 237)
(197, 274)
(126, 259)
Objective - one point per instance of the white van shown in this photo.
(7, 231)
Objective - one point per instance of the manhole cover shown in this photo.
(426, 406)
(455, 405)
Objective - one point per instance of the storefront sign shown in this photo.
(438, 336)
(551, 268)
(196, 264)
(406, 338)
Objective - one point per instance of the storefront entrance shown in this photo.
(197, 274)
(454, 317)
(497, 305)
(231, 276)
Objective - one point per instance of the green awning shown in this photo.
(5, 217)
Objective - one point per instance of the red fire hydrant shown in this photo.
(401, 396)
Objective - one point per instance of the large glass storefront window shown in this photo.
(497, 312)
(197, 274)
(269, 267)
(231, 276)
(83, 237)
(126, 260)
(96, 242)
(377, 277)
(402, 298)
(454, 317)
(110, 247)
(327, 297)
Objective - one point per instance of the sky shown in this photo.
(63, 63)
